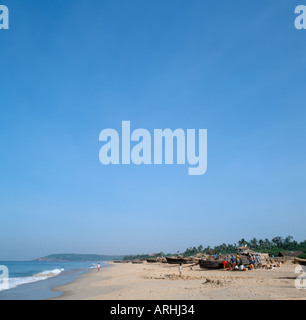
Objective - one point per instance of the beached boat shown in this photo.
(137, 261)
(151, 260)
(211, 264)
(301, 261)
(118, 261)
(244, 260)
(178, 260)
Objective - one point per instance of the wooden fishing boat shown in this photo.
(118, 261)
(301, 261)
(244, 260)
(137, 261)
(177, 260)
(151, 260)
(211, 264)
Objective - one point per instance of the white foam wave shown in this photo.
(17, 281)
(50, 273)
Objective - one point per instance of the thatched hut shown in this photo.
(292, 254)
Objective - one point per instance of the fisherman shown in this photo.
(237, 259)
(232, 262)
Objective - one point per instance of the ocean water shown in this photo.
(34, 280)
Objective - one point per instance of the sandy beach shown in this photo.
(162, 281)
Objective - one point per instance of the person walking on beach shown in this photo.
(180, 269)
(98, 266)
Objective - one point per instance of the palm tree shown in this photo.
(230, 248)
(254, 243)
(261, 243)
(278, 241)
(288, 242)
(267, 243)
(223, 247)
(241, 242)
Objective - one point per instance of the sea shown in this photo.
(34, 280)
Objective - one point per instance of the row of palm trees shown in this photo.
(287, 243)
(262, 245)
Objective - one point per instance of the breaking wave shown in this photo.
(9, 283)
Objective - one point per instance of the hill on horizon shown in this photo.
(78, 257)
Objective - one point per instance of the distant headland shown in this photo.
(78, 257)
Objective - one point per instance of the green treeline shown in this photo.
(273, 246)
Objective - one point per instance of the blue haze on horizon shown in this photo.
(70, 69)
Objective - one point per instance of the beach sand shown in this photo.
(160, 281)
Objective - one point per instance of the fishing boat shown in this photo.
(178, 260)
(211, 264)
(151, 260)
(137, 261)
(301, 261)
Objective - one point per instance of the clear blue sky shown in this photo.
(69, 69)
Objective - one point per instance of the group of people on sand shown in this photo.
(235, 262)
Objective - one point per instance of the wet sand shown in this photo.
(162, 281)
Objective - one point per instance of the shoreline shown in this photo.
(64, 288)
(74, 290)
(160, 281)
(34, 280)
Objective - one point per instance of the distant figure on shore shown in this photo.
(180, 270)
(98, 266)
